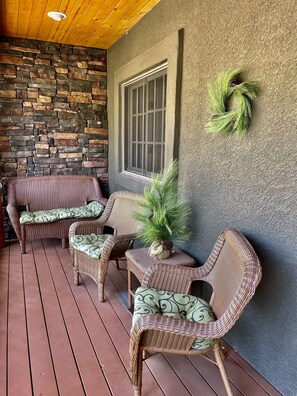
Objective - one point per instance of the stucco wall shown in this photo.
(248, 184)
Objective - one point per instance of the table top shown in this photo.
(142, 260)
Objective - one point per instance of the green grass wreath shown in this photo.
(230, 104)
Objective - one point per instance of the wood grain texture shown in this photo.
(57, 338)
(90, 23)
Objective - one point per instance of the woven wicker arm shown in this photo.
(14, 218)
(116, 245)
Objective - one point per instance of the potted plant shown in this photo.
(164, 215)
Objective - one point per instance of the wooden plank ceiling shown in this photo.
(89, 23)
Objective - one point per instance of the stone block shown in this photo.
(62, 70)
(32, 94)
(79, 99)
(97, 141)
(42, 146)
(97, 91)
(10, 59)
(82, 64)
(77, 76)
(6, 110)
(97, 73)
(94, 164)
(63, 92)
(25, 49)
(39, 61)
(64, 142)
(74, 156)
(9, 73)
(4, 45)
(44, 99)
(5, 118)
(98, 63)
(47, 92)
(99, 102)
(65, 136)
(23, 154)
(16, 112)
(10, 165)
(7, 94)
(61, 105)
(68, 122)
(98, 131)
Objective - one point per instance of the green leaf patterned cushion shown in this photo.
(91, 244)
(93, 209)
(183, 306)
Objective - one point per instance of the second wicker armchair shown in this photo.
(167, 319)
(91, 249)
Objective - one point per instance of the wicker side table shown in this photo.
(138, 261)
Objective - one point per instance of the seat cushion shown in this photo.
(92, 209)
(182, 306)
(91, 244)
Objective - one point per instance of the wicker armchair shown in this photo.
(117, 215)
(232, 269)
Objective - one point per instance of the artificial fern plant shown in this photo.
(164, 215)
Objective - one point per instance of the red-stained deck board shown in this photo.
(43, 376)
(18, 376)
(86, 361)
(58, 339)
(103, 345)
(4, 272)
(68, 379)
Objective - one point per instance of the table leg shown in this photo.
(129, 289)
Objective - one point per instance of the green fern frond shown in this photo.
(164, 215)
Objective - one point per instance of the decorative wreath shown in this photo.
(230, 104)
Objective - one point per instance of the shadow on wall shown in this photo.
(268, 323)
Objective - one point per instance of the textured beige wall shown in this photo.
(248, 184)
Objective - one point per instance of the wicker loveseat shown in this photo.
(40, 193)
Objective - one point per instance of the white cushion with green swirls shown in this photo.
(92, 209)
(182, 306)
(91, 244)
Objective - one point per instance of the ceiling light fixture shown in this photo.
(56, 16)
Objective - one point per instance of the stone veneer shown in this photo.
(53, 113)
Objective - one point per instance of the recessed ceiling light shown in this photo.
(56, 16)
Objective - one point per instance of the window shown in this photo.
(164, 60)
(144, 117)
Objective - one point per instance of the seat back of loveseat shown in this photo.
(52, 192)
(49, 192)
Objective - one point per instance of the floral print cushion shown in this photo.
(93, 209)
(91, 244)
(183, 306)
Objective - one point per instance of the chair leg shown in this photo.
(75, 270)
(76, 277)
(23, 247)
(137, 374)
(117, 264)
(101, 292)
(64, 243)
(217, 353)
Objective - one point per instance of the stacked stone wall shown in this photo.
(53, 110)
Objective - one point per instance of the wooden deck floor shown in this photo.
(57, 339)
